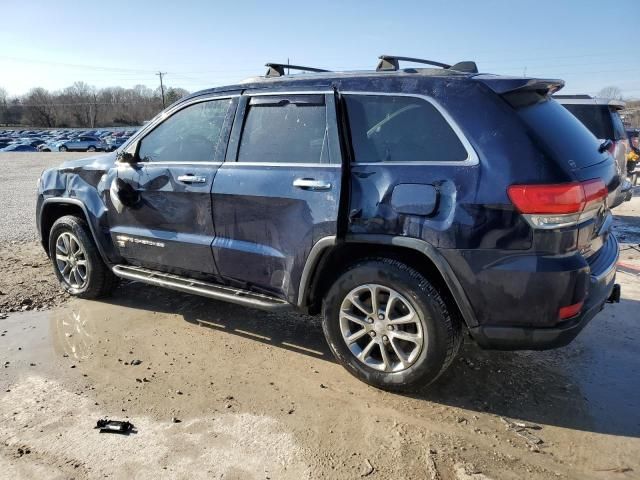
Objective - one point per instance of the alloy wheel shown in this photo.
(71, 260)
(381, 328)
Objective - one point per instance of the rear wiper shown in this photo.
(604, 146)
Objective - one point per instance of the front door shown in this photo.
(162, 216)
(278, 191)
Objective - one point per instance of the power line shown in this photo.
(75, 65)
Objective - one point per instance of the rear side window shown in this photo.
(564, 137)
(285, 130)
(400, 129)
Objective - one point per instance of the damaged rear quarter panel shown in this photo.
(473, 210)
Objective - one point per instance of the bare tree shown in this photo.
(81, 101)
(82, 105)
(612, 92)
(4, 105)
(40, 108)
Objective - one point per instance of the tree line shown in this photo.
(82, 105)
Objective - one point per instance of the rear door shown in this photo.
(278, 191)
(162, 216)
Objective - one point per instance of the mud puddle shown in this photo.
(258, 396)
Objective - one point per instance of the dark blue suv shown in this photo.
(405, 205)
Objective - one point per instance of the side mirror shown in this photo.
(125, 157)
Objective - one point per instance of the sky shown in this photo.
(201, 44)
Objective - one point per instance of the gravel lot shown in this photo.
(229, 392)
(20, 171)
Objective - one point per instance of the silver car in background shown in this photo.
(84, 143)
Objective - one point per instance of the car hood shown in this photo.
(97, 162)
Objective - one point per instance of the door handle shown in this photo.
(311, 184)
(192, 179)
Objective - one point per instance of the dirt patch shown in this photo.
(220, 391)
(27, 281)
(245, 445)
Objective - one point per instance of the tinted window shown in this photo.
(596, 118)
(400, 129)
(285, 130)
(189, 135)
(618, 127)
(563, 135)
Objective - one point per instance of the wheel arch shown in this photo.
(55, 208)
(330, 258)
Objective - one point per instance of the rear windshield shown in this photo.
(562, 135)
(603, 121)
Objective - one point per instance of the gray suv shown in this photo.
(83, 144)
(601, 116)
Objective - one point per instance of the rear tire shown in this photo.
(76, 260)
(404, 341)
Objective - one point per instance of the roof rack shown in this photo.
(391, 63)
(277, 69)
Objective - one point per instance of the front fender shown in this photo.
(83, 185)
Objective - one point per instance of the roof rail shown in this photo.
(577, 97)
(392, 63)
(277, 69)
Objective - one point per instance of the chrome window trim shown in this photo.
(194, 163)
(162, 116)
(282, 164)
(472, 157)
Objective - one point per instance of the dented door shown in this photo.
(162, 216)
(278, 191)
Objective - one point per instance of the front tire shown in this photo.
(91, 148)
(62, 148)
(389, 326)
(76, 260)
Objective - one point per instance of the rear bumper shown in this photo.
(601, 286)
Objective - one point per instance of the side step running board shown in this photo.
(198, 287)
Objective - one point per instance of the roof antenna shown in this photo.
(287, 65)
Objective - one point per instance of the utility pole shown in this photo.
(160, 74)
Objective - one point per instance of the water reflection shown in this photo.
(73, 330)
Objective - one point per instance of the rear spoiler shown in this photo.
(520, 92)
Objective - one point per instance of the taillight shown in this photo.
(559, 205)
(570, 310)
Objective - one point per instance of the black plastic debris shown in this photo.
(115, 426)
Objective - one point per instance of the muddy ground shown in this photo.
(227, 392)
